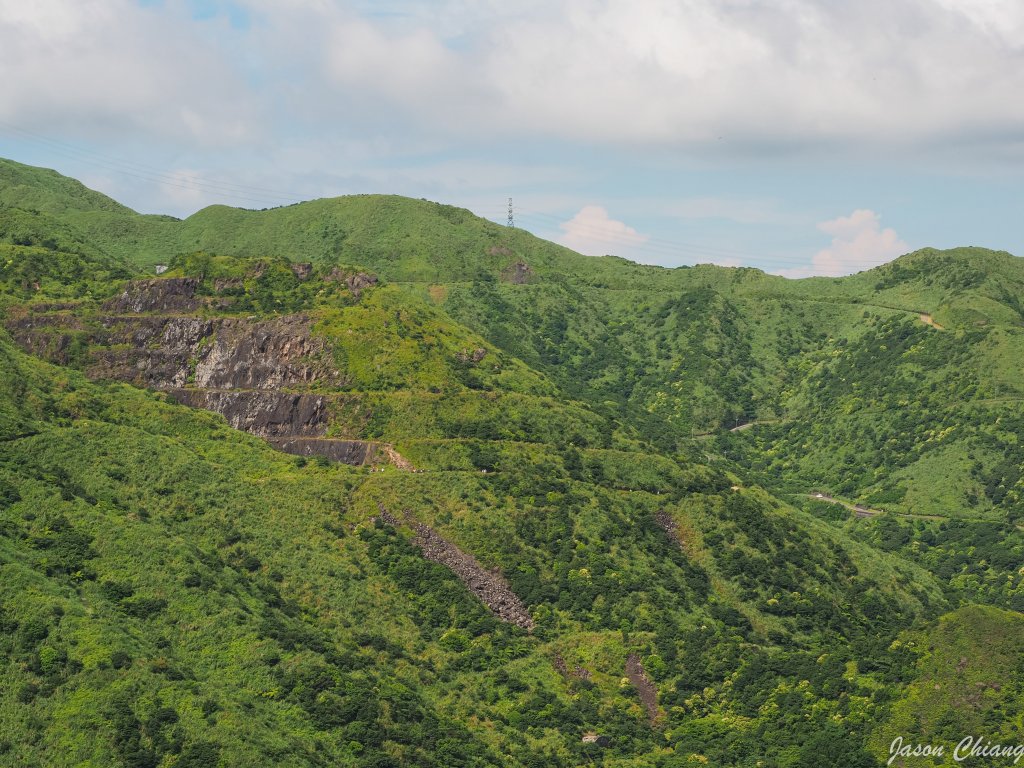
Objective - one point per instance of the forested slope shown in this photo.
(177, 592)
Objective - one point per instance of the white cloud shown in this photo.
(858, 243)
(592, 231)
(1003, 20)
(474, 100)
(728, 75)
(114, 69)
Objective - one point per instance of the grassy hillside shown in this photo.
(46, 191)
(178, 593)
(966, 683)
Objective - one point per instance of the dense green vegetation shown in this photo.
(177, 593)
(973, 657)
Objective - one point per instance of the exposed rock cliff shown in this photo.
(357, 452)
(264, 413)
(270, 354)
(252, 371)
(151, 350)
(517, 274)
(355, 282)
(172, 294)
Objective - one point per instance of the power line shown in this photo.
(652, 246)
(656, 246)
(148, 173)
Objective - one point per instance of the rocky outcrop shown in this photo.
(264, 413)
(517, 274)
(474, 356)
(644, 687)
(221, 284)
(162, 352)
(154, 351)
(168, 351)
(354, 452)
(170, 294)
(269, 354)
(578, 672)
(355, 282)
(667, 524)
(489, 586)
(48, 336)
(257, 373)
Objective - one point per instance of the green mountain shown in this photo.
(526, 507)
(973, 658)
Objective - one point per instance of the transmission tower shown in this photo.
(511, 219)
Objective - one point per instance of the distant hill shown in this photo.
(46, 191)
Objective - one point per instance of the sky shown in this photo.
(803, 137)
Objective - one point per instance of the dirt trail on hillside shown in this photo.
(857, 509)
(927, 320)
(862, 511)
(396, 458)
(754, 423)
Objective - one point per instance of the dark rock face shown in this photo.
(246, 369)
(150, 351)
(264, 355)
(264, 413)
(163, 351)
(490, 587)
(233, 366)
(48, 336)
(302, 271)
(644, 687)
(517, 274)
(354, 452)
(173, 294)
